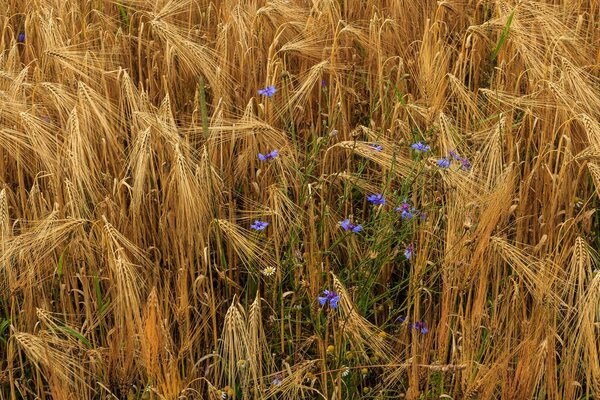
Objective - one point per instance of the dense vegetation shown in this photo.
(303, 199)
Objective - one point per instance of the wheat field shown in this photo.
(303, 199)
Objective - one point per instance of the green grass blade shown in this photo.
(203, 110)
(503, 35)
(77, 335)
(124, 16)
(59, 268)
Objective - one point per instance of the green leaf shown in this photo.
(3, 325)
(101, 305)
(76, 334)
(503, 35)
(400, 96)
(124, 16)
(59, 268)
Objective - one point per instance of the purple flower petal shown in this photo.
(466, 165)
(345, 224)
(409, 252)
(443, 162)
(334, 302)
(357, 228)
(269, 156)
(259, 225)
(269, 91)
(419, 146)
(376, 147)
(376, 199)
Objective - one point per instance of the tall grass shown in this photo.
(130, 181)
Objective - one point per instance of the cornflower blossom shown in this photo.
(465, 164)
(329, 296)
(376, 147)
(277, 380)
(259, 225)
(376, 199)
(407, 211)
(268, 156)
(409, 251)
(444, 162)
(349, 226)
(419, 146)
(420, 326)
(269, 91)
(21, 37)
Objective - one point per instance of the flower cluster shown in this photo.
(277, 380)
(409, 251)
(349, 226)
(420, 147)
(329, 296)
(269, 91)
(419, 325)
(445, 162)
(259, 225)
(376, 147)
(376, 199)
(269, 156)
(407, 211)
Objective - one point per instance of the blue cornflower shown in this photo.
(323, 83)
(21, 37)
(277, 380)
(454, 155)
(269, 91)
(268, 156)
(331, 296)
(444, 162)
(376, 199)
(349, 226)
(406, 209)
(259, 225)
(409, 251)
(420, 326)
(401, 319)
(465, 164)
(419, 146)
(376, 147)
